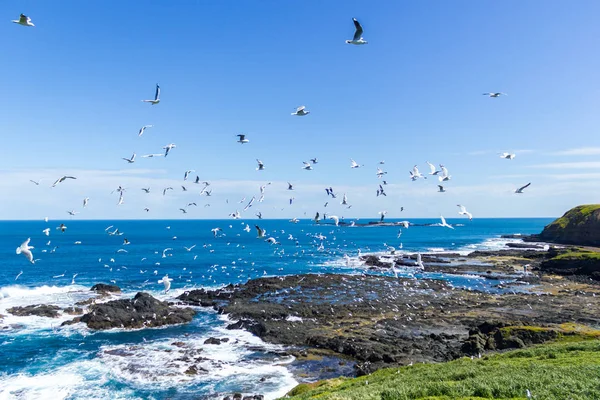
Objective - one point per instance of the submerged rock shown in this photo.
(143, 311)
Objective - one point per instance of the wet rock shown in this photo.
(374, 261)
(212, 340)
(104, 288)
(39, 310)
(141, 311)
(579, 226)
(178, 344)
(73, 310)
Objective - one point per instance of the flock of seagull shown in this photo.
(441, 173)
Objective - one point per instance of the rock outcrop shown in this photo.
(143, 311)
(39, 310)
(579, 226)
(104, 288)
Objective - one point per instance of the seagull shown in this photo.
(344, 200)
(441, 189)
(508, 156)
(167, 282)
(143, 128)
(23, 20)
(215, 231)
(357, 39)
(168, 148)
(18, 275)
(130, 160)
(314, 160)
(235, 215)
(301, 111)
(62, 227)
(165, 190)
(415, 174)
(290, 186)
(444, 174)
(432, 168)
(25, 248)
(189, 248)
(336, 219)
(73, 213)
(164, 253)
(520, 190)
(444, 223)
(156, 97)
(381, 192)
(495, 94)
(62, 179)
(258, 215)
(260, 232)
(242, 139)
(383, 214)
(420, 261)
(85, 202)
(249, 203)
(380, 173)
(354, 164)
(183, 210)
(146, 209)
(306, 166)
(463, 211)
(121, 199)
(152, 155)
(261, 166)
(46, 231)
(272, 240)
(147, 190)
(187, 173)
(36, 183)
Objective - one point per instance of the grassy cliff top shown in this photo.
(551, 372)
(575, 215)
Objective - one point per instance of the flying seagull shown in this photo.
(441, 189)
(187, 173)
(463, 211)
(130, 160)
(36, 183)
(143, 128)
(357, 39)
(23, 20)
(301, 111)
(152, 155)
(314, 160)
(444, 223)
(167, 282)
(354, 164)
(434, 171)
(495, 94)
(444, 174)
(147, 190)
(261, 166)
(168, 148)
(508, 156)
(242, 139)
(306, 166)
(85, 202)
(62, 179)
(260, 232)
(25, 248)
(156, 97)
(520, 190)
(415, 174)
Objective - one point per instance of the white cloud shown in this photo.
(581, 151)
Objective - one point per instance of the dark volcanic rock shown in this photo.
(104, 288)
(140, 312)
(579, 226)
(213, 340)
(39, 310)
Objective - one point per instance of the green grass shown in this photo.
(576, 215)
(578, 254)
(557, 371)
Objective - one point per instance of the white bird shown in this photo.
(23, 20)
(235, 215)
(242, 139)
(25, 249)
(415, 174)
(143, 128)
(62, 179)
(434, 171)
(508, 156)
(260, 232)
(168, 148)
(380, 172)
(73, 213)
(357, 39)
(187, 173)
(37, 183)
(306, 166)
(152, 155)
(130, 160)
(335, 218)
(463, 211)
(495, 94)
(261, 166)
(46, 231)
(166, 189)
(441, 189)
(164, 253)
(85, 202)
(249, 203)
(344, 200)
(354, 164)
(444, 223)
(301, 111)
(420, 261)
(272, 240)
(216, 231)
(444, 176)
(120, 199)
(520, 190)
(156, 97)
(167, 282)
(18, 275)
(405, 224)
(189, 248)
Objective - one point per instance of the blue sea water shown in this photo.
(41, 359)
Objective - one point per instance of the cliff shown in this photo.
(579, 226)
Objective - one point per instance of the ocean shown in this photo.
(39, 359)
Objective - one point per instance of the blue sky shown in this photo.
(72, 89)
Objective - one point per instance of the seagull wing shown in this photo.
(359, 30)
(157, 94)
(301, 108)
